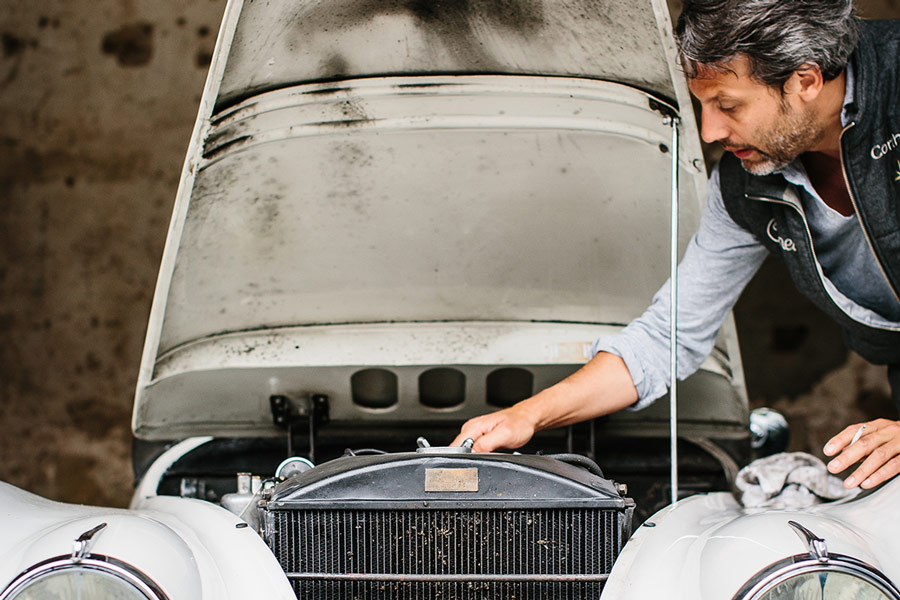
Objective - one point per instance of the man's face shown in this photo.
(764, 129)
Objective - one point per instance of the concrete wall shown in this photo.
(97, 102)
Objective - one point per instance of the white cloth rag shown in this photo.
(788, 480)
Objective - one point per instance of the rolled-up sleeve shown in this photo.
(718, 262)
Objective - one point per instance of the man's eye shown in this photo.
(727, 109)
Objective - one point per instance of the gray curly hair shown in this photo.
(777, 36)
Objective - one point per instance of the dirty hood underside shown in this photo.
(281, 44)
(407, 185)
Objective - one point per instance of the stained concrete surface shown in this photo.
(97, 102)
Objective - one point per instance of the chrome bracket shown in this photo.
(817, 548)
(82, 546)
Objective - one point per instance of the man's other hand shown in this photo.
(509, 428)
(878, 448)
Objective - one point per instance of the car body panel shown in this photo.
(190, 549)
(708, 546)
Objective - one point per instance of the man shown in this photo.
(806, 102)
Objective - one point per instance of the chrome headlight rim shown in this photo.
(801, 564)
(107, 565)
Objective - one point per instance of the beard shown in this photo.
(793, 133)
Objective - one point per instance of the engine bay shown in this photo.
(394, 517)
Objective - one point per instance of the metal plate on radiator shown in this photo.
(451, 480)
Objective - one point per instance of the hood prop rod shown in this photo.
(674, 121)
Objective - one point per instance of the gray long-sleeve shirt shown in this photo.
(719, 261)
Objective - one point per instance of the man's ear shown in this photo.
(806, 82)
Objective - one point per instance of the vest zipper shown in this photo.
(859, 216)
(812, 249)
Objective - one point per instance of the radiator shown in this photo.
(374, 528)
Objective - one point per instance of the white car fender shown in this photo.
(707, 547)
(190, 549)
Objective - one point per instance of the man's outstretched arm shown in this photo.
(716, 266)
(600, 387)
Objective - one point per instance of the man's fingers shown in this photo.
(505, 435)
(458, 440)
(880, 457)
(842, 440)
(853, 454)
(877, 432)
(878, 448)
(882, 464)
(473, 428)
(507, 429)
(888, 470)
(488, 442)
(461, 436)
(845, 438)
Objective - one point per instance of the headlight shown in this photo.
(842, 578)
(93, 578)
(818, 575)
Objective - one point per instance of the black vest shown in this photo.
(768, 206)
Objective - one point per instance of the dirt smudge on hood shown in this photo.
(453, 25)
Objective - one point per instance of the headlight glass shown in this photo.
(90, 579)
(806, 578)
(78, 584)
(824, 584)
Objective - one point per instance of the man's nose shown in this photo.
(712, 126)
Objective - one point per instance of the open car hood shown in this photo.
(394, 186)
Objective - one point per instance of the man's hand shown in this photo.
(600, 387)
(509, 428)
(879, 446)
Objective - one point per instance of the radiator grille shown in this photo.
(452, 554)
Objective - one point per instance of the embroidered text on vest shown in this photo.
(787, 244)
(881, 150)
